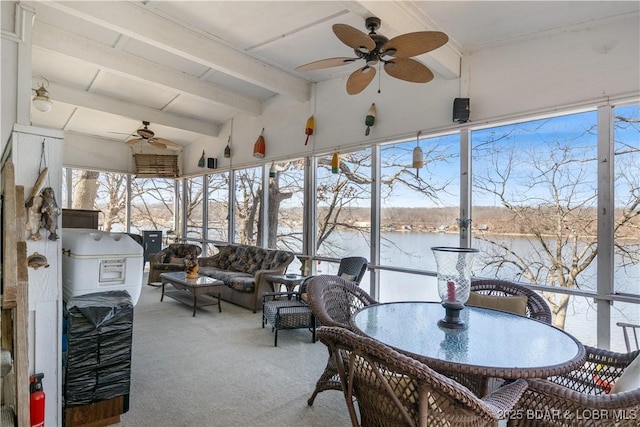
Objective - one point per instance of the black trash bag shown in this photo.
(98, 357)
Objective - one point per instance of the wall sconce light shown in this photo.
(41, 101)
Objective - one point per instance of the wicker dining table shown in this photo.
(494, 344)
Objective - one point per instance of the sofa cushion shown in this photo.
(243, 282)
(511, 304)
(273, 259)
(247, 261)
(179, 250)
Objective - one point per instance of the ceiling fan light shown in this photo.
(389, 64)
(372, 62)
(41, 101)
(390, 52)
(366, 69)
(362, 49)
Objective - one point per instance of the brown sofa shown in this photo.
(243, 269)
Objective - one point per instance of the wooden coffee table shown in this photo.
(197, 292)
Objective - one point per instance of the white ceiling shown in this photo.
(190, 66)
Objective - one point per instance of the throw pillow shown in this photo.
(630, 378)
(511, 304)
(350, 277)
(175, 260)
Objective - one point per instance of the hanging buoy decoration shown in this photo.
(418, 156)
(201, 161)
(273, 171)
(370, 119)
(227, 149)
(309, 129)
(335, 163)
(259, 146)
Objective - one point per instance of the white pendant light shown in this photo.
(41, 101)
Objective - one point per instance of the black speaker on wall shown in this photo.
(212, 163)
(461, 110)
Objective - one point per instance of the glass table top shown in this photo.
(491, 338)
(180, 277)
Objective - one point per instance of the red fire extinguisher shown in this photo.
(37, 400)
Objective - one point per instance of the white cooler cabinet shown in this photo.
(97, 261)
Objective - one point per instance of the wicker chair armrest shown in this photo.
(568, 399)
(610, 358)
(506, 397)
(600, 371)
(156, 258)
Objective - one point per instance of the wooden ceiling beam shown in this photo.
(130, 66)
(133, 20)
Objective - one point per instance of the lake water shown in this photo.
(413, 251)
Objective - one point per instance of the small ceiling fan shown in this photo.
(147, 135)
(376, 49)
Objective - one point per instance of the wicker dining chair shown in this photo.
(536, 307)
(353, 268)
(392, 389)
(582, 397)
(333, 301)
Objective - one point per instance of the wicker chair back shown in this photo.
(393, 389)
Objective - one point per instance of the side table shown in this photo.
(290, 281)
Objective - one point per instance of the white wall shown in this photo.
(8, 72)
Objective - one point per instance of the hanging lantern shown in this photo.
(272, 171)
(335, 163)
(309, 129)
(418, 156)
(370, 119)
(227, 149)
(259, 146)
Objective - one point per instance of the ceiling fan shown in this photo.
(147, 135)
(376, 49)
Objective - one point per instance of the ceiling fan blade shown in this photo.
(408, 69)
(360, 79)
(354, 38)
(156, 143)
(326, 63)
(412, 44)
(165, 142)
(134, 141)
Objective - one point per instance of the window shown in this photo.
(218, 207)
(247, 205)
(344, 205)
(152, 205)
(286, 205)
(194, 208)
(534, 204)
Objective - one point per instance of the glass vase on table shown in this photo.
(454, 282)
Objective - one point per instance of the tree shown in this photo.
(550, 188)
